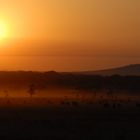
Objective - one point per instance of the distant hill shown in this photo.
(124, 70)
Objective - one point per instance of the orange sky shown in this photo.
(68, 35)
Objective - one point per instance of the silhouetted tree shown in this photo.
(31, 89)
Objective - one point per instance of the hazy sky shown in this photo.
(69, 34)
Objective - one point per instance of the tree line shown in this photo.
(44, 80)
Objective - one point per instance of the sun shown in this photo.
(3, 31)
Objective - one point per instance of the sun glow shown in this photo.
(3, 30)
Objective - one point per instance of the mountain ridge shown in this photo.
(132, 69)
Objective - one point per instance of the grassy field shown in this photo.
(70, 117)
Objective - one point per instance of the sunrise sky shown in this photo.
(68, 35)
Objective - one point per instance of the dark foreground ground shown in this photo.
(66, 122)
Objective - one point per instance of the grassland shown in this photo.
(73, 115)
